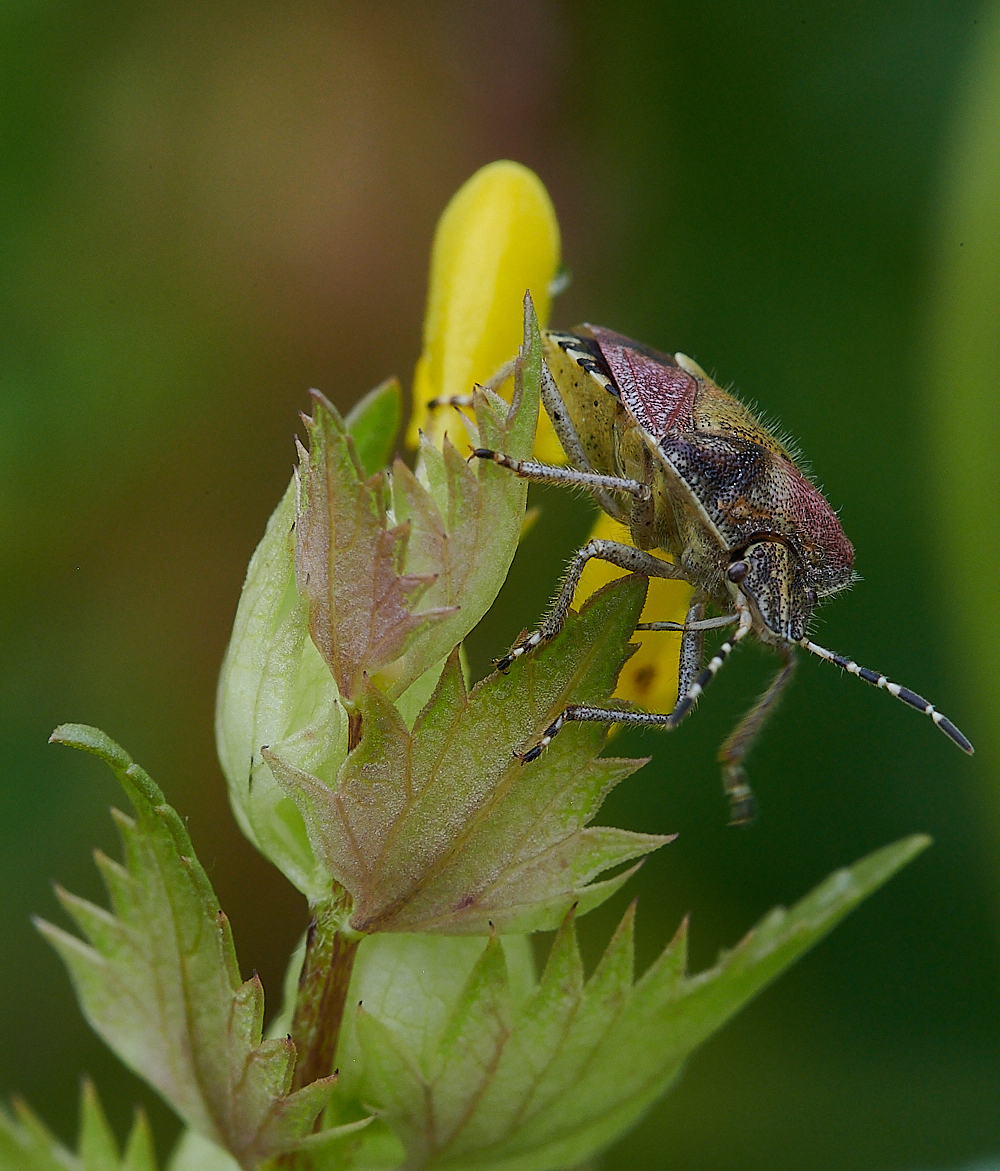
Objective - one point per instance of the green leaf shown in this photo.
(374, 423)
(26, 1144)
(348, 559)
(445, 545)
(160, 983)
(466, 521)
(444, 829)
(546, 1083)
(194, 1153)
(275, 689)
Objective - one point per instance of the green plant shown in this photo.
(362, 764)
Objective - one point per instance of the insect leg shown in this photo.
(451, 400)
(584, 713)
(692, 646)
(624, 556)
(685, 703)
(680, 627)
(742, 804)
(904, 693)
(494, 382)
(562, 424)
(580, 713)
(529, 469)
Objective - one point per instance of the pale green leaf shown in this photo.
(96, 1144)
(140, 1154)
(275, 689)
(546, 1082)
(392, 591)
(158, 980)
(194, 1153)
(444, 829)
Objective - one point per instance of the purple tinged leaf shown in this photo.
(348, 560)
(445, 830)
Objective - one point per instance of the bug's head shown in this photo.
(772, 578)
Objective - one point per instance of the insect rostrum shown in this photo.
(694, 473)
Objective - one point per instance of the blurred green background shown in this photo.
(208, 208)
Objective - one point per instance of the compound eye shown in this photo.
(737, 571)
(813, 597)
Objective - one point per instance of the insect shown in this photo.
(692, 472)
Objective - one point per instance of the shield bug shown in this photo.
(693, 472)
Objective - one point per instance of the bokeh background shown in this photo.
(208, 208)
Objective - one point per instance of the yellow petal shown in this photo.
(497, 237)
(649, 678)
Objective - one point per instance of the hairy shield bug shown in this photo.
(693, 472)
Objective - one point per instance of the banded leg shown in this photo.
(624, 556)
(579, 713)
(902, 693)
(566, 433)
(686, 702)
(742, 803)
(529, 469)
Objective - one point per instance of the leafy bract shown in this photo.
(274, 688)
(545, 1083)
(444, 829)
(160, 983)
(348, 558)
(396, 570)
(27, 1145)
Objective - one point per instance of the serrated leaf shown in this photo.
(444, 829)
(390, 593)
(27, 1145)
(96, 1143)
(466, 520)
(158, 980)
(547, 1084)
(349, 558)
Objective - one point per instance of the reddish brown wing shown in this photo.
(654, 389)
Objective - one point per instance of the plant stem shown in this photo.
(326, 974)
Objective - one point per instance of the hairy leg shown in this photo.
(742, 804)
(624, 556)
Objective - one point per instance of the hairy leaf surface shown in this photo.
(544, 1083)
(160, 983)
(444, 829)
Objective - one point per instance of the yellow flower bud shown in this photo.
(497, 237)
(649, 678)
